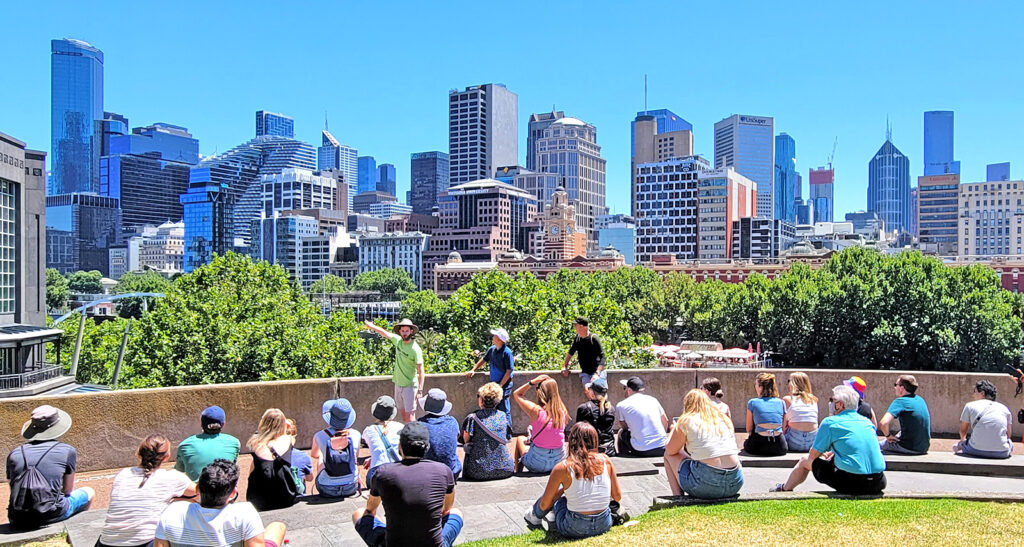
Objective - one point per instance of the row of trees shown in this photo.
(393, 282)
(239, 320)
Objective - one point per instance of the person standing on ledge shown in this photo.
(588, 351)
(408, 375)
(500, 359)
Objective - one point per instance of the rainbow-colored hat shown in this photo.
(858, 385)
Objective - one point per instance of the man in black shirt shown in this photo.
(417, 495)
(588, 351)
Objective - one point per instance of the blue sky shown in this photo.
(382, 71)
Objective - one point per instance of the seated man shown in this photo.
(985, 425)
(195, 452)
(417, 495)
(216, 520)
(914, 436)
(643, 424)
(845, 453)
(35, 503)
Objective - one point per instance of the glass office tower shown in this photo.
(429, 179)
(272, 123)
(387, 179)
(747, 144)
(367, 173)
(938, 143)
(76, 114)
(889, 187)
(786, 178)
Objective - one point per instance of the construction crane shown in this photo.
(832, 156)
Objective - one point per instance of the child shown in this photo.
(302, 466)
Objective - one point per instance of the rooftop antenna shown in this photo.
(645, 94)
(888, 129)
(325, 120)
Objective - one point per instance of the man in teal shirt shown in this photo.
(408, 375)
(198, 451)
(845, 453)
(914, 436)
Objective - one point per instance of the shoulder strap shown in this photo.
(542, 428)
(40, 457)
(480, 424)
(981, 414)
(392, 453)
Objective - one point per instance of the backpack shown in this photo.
(32, 496)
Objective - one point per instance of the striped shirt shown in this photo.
(186, 524)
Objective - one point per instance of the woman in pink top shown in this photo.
(548, 417)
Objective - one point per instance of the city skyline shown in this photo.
(829, 91)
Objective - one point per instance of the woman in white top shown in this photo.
(985, 425)
(800, 422)
(140, 494)
(382, 437)
(713, 388)
(701, 457)
(579, 489)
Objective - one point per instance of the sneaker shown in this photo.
(778, 488)
(532, 522)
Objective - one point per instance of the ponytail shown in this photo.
(152, 453)
(602, 402)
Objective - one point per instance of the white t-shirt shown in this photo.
(133, 513)
(189, 524)
(990, 431)
(642, 414)
(378, 451)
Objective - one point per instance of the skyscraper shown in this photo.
(387, 178)
(747, 144)
(272, 123)
(938, 143)
(723, 197)
(76, 112)
(483, 131)
(367, 174)
(428, 179)
(936, 214)
(80, 229)
(889, 187)
(22, 245)
(535, 130)
(667, 225)
(147, 171)
(208, 218)
(569, 149)
(997, 172)
(658, 135)
(786, 178)
(665, 121)
(822, 188)
(334, 155)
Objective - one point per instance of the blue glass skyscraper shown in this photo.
(938, 143)
(334, 155)
(786, 178)
(367, 174)
(429, 179)
(274, 124)
(76, 115)
(667, 121)
(208, 216)
(889, 187)
(747, 144)
(387, 179)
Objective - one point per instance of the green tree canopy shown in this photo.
(150, 281)
(56, 290)
(388, 281)
(82, 282)
(329, 283)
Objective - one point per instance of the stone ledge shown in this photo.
(663, 502)
(933, 462)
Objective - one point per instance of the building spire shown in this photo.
(888, 129)
(325, 120)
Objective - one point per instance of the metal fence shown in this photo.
(27, 378)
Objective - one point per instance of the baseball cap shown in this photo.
(414, 432)
(501, 333)
(635, 383)
(857, 383)
(598, 385)
(212, 415)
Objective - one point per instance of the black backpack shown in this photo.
(32, 496)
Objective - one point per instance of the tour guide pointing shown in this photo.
(408, 375)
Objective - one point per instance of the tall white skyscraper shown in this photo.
(747, 144)
(334, 155)
(483, 132)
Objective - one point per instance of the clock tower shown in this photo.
(562, 241)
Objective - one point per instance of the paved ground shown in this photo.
(496, 508)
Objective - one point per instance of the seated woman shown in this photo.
(600, 413)
(713, 388)
(334, 451)
(701, 457)
(302, 466)
(985, 425)
(800, 422)
(486, 433)
(272, 483)
(444, 430)
(382, 437)
(764, 419)
(579, 489)
(140, 494)
(548, 416)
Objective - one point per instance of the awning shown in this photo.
(17, 335)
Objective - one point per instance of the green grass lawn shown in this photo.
(825, 522)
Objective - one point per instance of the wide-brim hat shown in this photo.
(405, 323)
(436, 402)
(384, 408)
(338, 413)
(47, 423)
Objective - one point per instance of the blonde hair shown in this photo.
(767, 382)
(291, 428)
(273, 424)
(490, 393)
(697, 406)
(802, 387)
(549, 399)
(602, 401)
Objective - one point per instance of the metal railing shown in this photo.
(22, 379)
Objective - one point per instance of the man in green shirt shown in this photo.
(408, 375)
(198, 451)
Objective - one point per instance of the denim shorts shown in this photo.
(374, 532)
(336, 487)
(799, 441)
(570, 524)
(587, 378)
(969, 450)
(700, 480)
(542, 460)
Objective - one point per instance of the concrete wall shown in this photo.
(108, 426)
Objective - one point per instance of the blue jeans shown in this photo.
(78, 500)
(542, 460)
(336, 487)
(506, 397)
(888, 447)
(969, 450)
(576, 525)
(374, 532)
(700, 480)
(587, 378)
(799, 441)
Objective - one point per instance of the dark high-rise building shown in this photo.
(80, 230)
(272, 123)
(387, 179)
(76, 112)
(112, 125)
(429, 179)
(483, 131)
(535, 130)
(938, 143)
(147, 171)
(786, 178)
(207, 207)
(889, 187)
